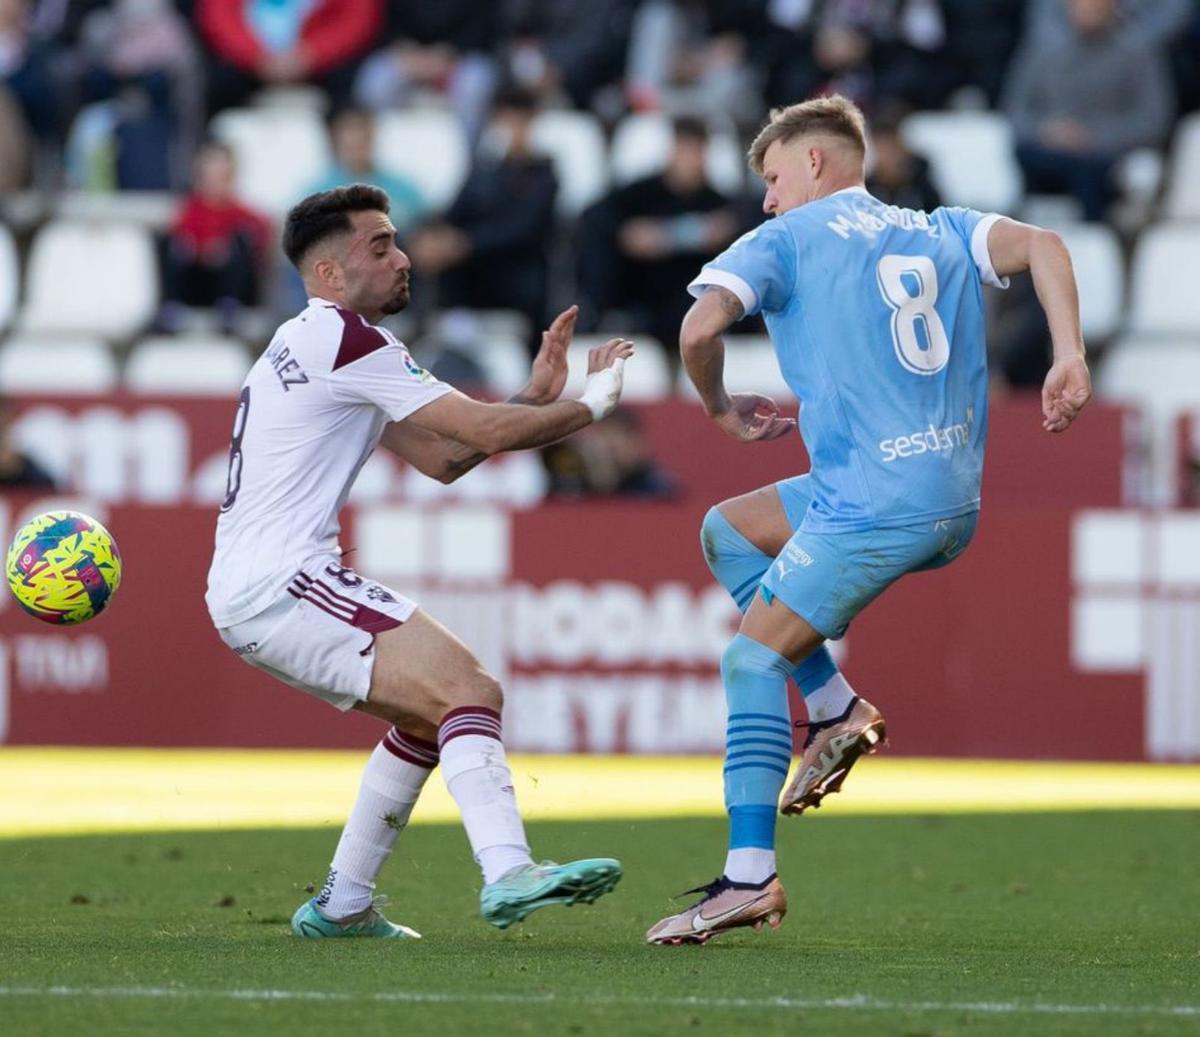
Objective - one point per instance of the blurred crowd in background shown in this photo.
(146, 99)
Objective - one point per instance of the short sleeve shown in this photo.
(759, 268)
(973, 227)
(373, 367)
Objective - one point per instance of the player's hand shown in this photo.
(1067, 389)
(606, 355)
(752, 417)
(606, 372)
(549, 373)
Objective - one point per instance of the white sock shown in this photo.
(477, 775)
(391, 783)
(830, 699)
(750, 864)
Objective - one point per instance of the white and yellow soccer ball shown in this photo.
(63, 567)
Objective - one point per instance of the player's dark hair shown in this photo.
(834, 116)
(322, 215)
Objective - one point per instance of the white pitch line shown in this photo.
(856, 1002)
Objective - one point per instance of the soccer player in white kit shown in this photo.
(331, 386)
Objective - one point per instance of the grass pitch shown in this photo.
(998, 924)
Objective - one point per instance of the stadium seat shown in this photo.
(426, 145)
(647, 375)
(750, 366)
(56, 366)
(970, 155)
(1100, 272)
(1183, 177)
(280, 151)
(1164, 296)
(90, 279)
(1161, 377)
(153, 210)
(505, 361)
(575, 142)
(10, 277)
(642, 142)
(187, 366)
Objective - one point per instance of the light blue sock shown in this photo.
(739, 567)
(758, 752)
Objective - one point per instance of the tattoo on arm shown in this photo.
(731, 305)
(463, 458)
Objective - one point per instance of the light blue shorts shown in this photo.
(829, 578)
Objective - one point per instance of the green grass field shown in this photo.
(1073, 923)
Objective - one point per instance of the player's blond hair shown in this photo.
(834, 116)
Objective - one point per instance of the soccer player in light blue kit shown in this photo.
(876, 314)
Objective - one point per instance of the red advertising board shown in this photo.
(599, 616)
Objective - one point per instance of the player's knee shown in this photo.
(712, 539)
(480, 689)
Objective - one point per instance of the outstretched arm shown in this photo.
(1016, 247)
(446, 459)
(744, 416)
(445, 439)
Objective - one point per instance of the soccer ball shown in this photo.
(63, 567)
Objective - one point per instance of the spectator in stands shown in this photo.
(217, 248)
(567, 48)
(18, 470)
(352, 136)
(442, 48)
(981, 36)
(283, 42)
(1156, 22)
(870, 52)
(139, 54)
(641, 245)
(492, 248)
(611, 459)
(691, 55)
(899, 176)
(1071, 129)
(25, 70)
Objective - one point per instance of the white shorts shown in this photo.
(320, 636)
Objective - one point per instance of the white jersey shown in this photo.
(311, 411)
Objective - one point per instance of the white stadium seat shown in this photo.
(1100, 272)
(1183, 177)
(575, 143)
(970, 155)
(647, 374)
(1164, 296)
(280, 152)
(426, 145)
(187, 366)
(750, 366)
(505, 360)
(10, 277)
(90, 279)
(1161, 377)
(642, 143)
(56, 366)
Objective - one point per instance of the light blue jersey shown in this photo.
(877, 318)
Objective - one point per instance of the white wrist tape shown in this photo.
(602, 389)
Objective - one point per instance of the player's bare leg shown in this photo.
(425, 678)
(833, 745)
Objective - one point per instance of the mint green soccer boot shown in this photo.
(523, 890)
(311, 924)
